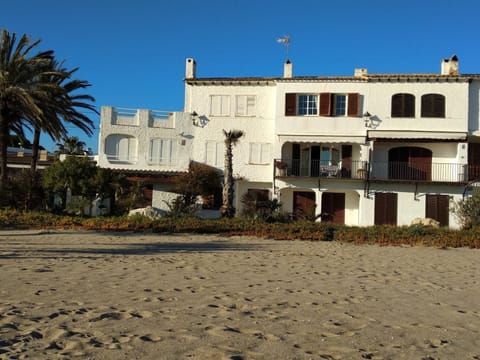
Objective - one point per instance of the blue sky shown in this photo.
(133, 52)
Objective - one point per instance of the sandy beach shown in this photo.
(90, 295)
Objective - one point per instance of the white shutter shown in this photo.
(265, 154)
(254, 153)
(123, 148)
(220, 156)
(210, 153)
(225, 105)
(220, 105)
(250, 105)
(241, 105)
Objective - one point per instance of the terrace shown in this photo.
(380, 171)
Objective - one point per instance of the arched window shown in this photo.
(121, 148)
(403, 105)
(410, 163)
(433, 105)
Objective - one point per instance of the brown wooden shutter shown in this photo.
(353, 104)
(437, 208)
(290, 104)
(325, 104)
(385, 208)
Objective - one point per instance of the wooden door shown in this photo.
(437, 208)
(304, 205)
(333, 208)
(386, 208)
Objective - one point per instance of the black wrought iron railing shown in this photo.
(377, 170)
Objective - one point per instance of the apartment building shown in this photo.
(357, 150)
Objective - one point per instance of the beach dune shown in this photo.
(97, 295)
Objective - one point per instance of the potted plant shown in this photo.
(281, 167)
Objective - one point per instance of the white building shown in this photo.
(357, 150)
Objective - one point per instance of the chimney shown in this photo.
(360, 72)
(288, 70)
(450, 66)
(190, 69)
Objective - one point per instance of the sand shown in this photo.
(89, 295)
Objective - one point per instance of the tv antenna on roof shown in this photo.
(285, 41)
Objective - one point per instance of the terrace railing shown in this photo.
(388, 171)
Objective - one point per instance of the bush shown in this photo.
(467, 211)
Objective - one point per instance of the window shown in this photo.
(340, 105)
(121, 148)
(307, 104)
(403, 105)
(329, 156)
(245, 105)
(323, 104)
(220, 105)
(214, 153)
(433, 105)
(162, 152)
(260, 153)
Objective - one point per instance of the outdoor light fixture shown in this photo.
(194, 118)
(367, 119)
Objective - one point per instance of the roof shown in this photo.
(360, 78)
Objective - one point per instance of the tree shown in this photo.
(231, 139)
(37, 92)
(201, 180)
(77, 174)
(72, 146)
(21, 87)
(63, 106)
(467, 211)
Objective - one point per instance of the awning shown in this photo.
(417, 135)
(322, 139)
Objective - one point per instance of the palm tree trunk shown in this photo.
(227, 207)
(35, 147)
(3, 149)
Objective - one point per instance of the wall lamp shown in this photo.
(367, 119)
(194, 118)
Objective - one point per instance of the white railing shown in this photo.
(121, 159)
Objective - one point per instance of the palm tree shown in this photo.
(72, 146)
(21, 88)
(63, 107)
(231, 139)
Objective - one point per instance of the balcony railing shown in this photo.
(394, 171)
(322, 169)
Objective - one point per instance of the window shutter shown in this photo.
(325, 104)
(220, 158)
(354, 104)
(439, 106)
(409, 105)
(290, 104)
(427, 105)
(265, 155)
(397, 105)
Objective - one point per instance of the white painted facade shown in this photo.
(418, 157)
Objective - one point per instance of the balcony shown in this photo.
(321, 169)
(380, 171)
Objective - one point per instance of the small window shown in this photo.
(260, 153)
(162, 152)
(214, 153)
(220, 105)
(433, 105)
(307, 104)
(245, 105)
(403, 105)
